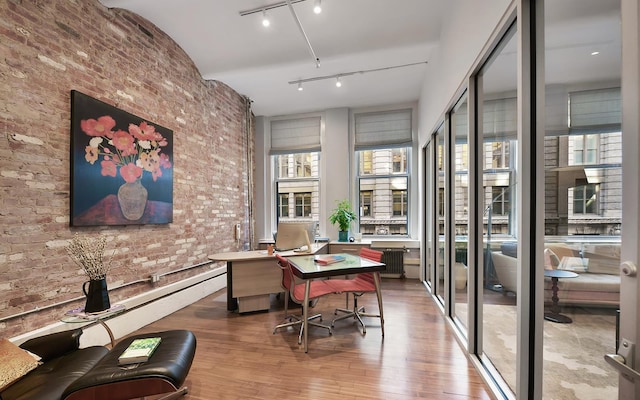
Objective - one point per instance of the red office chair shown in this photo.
(296, 292)
(361, 284)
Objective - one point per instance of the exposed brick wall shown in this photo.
(48, 48)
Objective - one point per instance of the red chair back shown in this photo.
(370, 254)
(287, 279)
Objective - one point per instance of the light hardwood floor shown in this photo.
(239, 357)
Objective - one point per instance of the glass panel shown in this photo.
(441, 152)
(583, 189)
(383, 182)
(298, 186)
(460, 134)
(429, 220)
(498, 147)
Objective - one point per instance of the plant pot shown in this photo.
(97, 295)
(343, 236)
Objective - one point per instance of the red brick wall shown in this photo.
(48, 48)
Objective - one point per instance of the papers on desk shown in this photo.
(328, 259)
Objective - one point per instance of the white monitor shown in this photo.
(293, 235)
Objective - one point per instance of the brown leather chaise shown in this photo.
(93, 373)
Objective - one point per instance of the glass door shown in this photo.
(583, 198)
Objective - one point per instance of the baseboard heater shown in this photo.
(394, 259)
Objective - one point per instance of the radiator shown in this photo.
(394, 259)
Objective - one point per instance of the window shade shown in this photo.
(595, 110)
(500, 118)
(383, 129)
(295, 135)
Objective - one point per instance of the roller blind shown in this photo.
(295, 135)
(595, 110)
(500, 118)
(383, 129)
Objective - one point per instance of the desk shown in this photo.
(554, 315)
(305, 268)
(253, 275)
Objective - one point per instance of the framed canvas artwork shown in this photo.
(121, 166)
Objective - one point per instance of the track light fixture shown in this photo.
(289, 3)
(300, 88)
(338, 77)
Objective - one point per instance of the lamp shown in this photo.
(265, 19)
(317, 7)
(300, 88)
(338, 81)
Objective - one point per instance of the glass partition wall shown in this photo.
(497, 142)
(583, 199)
(582, 158)
(460, 171)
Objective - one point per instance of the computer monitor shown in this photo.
(293, 235)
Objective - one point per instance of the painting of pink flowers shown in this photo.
(122, 171)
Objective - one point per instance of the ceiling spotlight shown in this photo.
(265, 19)
(595, 53)
(338, 82)
(300, 88)
(317, 7)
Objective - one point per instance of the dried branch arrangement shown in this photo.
(88, 253)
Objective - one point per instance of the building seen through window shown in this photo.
(383, 186)
(297, 186)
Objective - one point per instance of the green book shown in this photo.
(139, 351)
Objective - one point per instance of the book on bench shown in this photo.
(329, 259)
(139, 351)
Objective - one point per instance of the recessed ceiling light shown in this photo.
(595, 53)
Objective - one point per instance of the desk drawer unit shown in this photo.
(253, 282)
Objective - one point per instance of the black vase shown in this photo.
(97, 295)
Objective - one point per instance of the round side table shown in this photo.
(554, 314)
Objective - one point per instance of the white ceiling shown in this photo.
(348, 36)
(359, 35)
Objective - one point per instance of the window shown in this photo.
(283, 166)
(388, 190)
(366, 197)
(295, 151)
(283, 205)
(399, 160)
(303, 205)
(585, 149)
(585, 199)
(500, 200)
(366, 162)
(500, 155)
(303, 165)
(383, 143)
(399, 202)
(298, 191)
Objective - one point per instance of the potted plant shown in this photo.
(342, 215)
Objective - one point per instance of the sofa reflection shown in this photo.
(597, 266)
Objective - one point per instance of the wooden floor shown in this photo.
(239, 357)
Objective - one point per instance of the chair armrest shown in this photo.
(54, 345)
